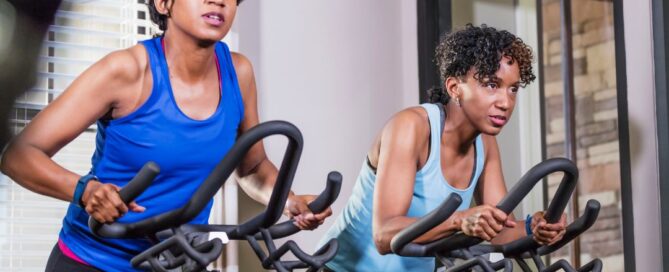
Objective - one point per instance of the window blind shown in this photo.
(82, 33)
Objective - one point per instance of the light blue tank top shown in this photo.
(185, 149)
(353, 228)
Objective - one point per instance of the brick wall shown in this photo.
(596, 120)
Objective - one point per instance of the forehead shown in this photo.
(508, 71)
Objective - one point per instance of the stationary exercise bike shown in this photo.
(469, 249)
(173, 246)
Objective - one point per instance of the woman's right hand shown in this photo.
(484, 221)
(103, 202)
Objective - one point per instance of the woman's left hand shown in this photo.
(545, 233)
(296, 208)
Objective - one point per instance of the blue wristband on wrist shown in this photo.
(528, 224)
(81, 187)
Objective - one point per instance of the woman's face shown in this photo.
(208, 20)
(488, 103)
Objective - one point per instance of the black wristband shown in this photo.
(81, 187)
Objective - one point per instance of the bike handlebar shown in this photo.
(507, 204)
(211, 185)
(322, 202)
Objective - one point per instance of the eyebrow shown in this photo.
(496, 79)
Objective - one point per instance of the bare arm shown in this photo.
(92, 95)
(27, 160)
(257, 174)
(402, 140)
(491, 189)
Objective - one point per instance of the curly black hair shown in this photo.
(160, 19)
(481, 48)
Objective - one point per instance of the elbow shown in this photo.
(382, 242)
(4, 161)
(9, 164)
(3, 164)
(5, 158)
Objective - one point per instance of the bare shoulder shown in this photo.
(411, 122)
(126, 65)
(413, 117)
(115, 81)
(243, 65)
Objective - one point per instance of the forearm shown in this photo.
(258, 183)
(33, 169)
(390, 228)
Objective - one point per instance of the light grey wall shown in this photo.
(497, 13)
(643, 134)
(338, 71)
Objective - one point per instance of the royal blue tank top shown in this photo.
(353, 228)
(185, 149)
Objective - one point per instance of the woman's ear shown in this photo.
(162, 6)
(452, 87)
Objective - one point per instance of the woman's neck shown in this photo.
(188, 59)
(459, 133)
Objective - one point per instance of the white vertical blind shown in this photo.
(83, 32)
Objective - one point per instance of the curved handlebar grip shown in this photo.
(219, 175)
(517, 193)
(401, 243)
(329, 195)
(322, 202)
(536, 174)
(519, 247)
(140, 182)
(580, 225)
(128, 193)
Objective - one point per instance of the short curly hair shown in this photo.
(160, 19)
(480, 48)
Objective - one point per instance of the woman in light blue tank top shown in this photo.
(420, 157)
(180, 100)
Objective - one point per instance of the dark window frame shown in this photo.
(429, 24)
(661, 62)
(623, 138)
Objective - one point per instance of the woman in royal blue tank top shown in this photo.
(415, 163)
(180, 100)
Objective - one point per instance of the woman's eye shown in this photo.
(491, 85)
(514, 89)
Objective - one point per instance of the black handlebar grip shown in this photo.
(329, 195)
(516, 195)
(536, 174)
(140, 182)
(322, 202)
(128, 193)
(401, 243)
(215, 180)
(580, 225)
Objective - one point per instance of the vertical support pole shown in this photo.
(569, 110)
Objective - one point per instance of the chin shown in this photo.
(211, 36)
(492, 130)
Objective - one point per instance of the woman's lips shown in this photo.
(497, 120)
(212, 18)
